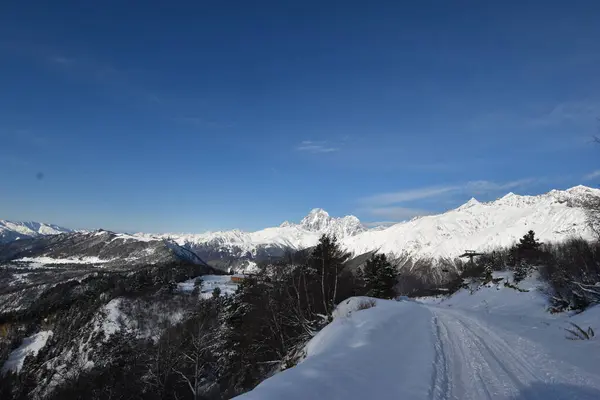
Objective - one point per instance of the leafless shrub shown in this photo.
(365, 304)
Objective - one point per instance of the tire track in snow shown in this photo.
(440, 383)
(479, 373)
(476, 361)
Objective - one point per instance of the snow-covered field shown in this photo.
(41, 262)
(497, 343)
(209, 283)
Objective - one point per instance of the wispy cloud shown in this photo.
(202, 123)
(397, 213)
(61, 60)
(573, 112)
(374, 224)
(316, 147)
(592, 175)
(483, 187)
(83, 67)
(391, 206)
(408, 195)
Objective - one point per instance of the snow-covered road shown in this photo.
(411, 350)
(475, 359)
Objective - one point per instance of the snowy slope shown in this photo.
(10, 230)
(480, 346)
(554, 216)
(30, 346)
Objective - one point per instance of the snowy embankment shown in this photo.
(493, 343)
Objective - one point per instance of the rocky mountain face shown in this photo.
(10, 230)
(99, 248)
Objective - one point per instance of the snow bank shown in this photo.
(491, 342)
(500, 299)
(382, 352)
(30, 345)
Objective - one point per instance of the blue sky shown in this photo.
(190, 116)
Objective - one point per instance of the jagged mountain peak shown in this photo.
(316, 220)
(471, 203)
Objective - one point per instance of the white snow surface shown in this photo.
(30, 345)
(497, 343)
(43, 261)
(554, 216)
(209, 283)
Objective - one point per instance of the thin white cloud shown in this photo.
(472, 188)
(202, 123)
(482, 187)
(57, 59)
(408, 195)
(316, 147)
(568, 112)
(392, 207)
(592, 175)
(397, 213)
(375, 224)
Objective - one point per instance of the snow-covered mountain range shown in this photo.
(10, 230)
(269, 242)
(554, 216)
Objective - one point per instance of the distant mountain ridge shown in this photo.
(99, 248)
(554, 216)
(10, 230)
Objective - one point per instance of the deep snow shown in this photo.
(496, 343)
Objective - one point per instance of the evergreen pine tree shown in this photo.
(527, 250)
(521, 271)
(528, 242)
(380, 277)
(327, 261)
(387, 279)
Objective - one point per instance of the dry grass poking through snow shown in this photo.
(365, 304)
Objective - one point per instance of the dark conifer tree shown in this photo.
(327, 263)
(379, 277)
